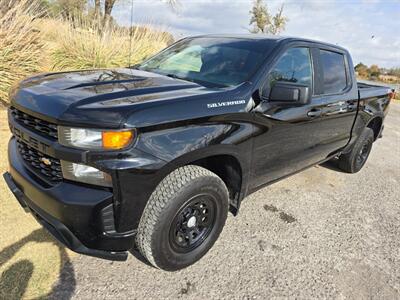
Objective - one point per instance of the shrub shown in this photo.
(85, 45)
(31, 43)
(20, 46)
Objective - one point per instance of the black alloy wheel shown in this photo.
(193, 223)
(183, 218)
(362, 156)
(353, 160)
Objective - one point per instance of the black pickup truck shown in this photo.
(153, 157)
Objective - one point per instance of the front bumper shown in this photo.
(57, 229)
(79, 216)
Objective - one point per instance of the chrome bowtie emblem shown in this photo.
(46, 161)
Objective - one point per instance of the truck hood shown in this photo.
(103, 98)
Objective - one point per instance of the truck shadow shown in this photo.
(135, 253)
(22, 270)
(332, 165)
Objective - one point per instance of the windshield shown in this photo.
(210, 61)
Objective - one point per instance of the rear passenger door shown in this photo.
(335, 98)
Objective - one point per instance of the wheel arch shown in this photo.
(228, 168)
(375, 124)
(222, 160)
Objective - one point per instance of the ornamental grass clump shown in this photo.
(21, 48)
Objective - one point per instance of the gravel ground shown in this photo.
(318, 234)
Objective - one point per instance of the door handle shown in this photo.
(314, 113)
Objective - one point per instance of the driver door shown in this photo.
(287, 134)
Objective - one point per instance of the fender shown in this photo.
(175, 147)
(192, 142)
(369, 110)
(183, 145)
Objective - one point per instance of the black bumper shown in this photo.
(76, 215)
(58, 229)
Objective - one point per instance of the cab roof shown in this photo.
(276, 38)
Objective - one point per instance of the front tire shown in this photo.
(183, 218)
(353, 161)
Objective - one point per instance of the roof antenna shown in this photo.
(130, 36)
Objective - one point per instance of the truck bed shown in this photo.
(367, 90)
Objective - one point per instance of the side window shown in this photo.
(294, 66)
(334, 72)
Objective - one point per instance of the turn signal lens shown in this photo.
(116, 139)
(94, 139)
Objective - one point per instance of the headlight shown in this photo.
(94, 139)
(85, 174)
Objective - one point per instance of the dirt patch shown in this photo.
(188, 289)
(270, 208)
(287, 218)
(264, 246)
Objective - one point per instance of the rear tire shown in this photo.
(353, 161)
(183, 218)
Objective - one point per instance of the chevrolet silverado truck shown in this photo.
(152, 158)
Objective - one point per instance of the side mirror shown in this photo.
(287, 92)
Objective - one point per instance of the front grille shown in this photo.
(37, 125)
(45, 166)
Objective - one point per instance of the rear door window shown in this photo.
(334, 69)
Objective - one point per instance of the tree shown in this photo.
(69, 8)
(109, 5)
(362, 70)
(394, 72)
(278, 22)
(260, 17)
(264, 22)
(97, 9)
(374, 71)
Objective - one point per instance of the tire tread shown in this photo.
(159, 199)
(347, 161)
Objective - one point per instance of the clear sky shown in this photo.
(370, 29)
